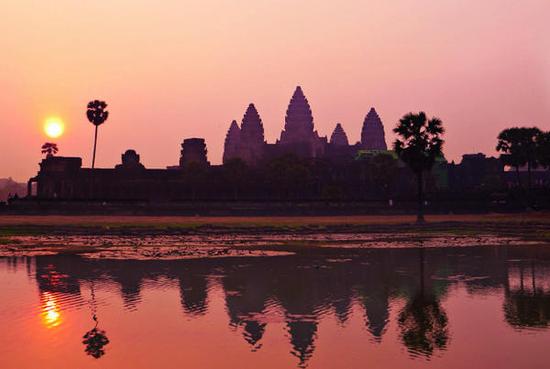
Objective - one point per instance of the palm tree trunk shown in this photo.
(95, 144)
(518, 176)
(420, 215)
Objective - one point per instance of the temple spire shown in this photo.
(339, 137)
(252, 128)
(232, 142)
(298, 120)
(252, 142)
(372, 134)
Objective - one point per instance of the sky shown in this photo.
(174, 69)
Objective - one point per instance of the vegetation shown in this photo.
(97, 115)
(543, 149)
(50, 149)
(518, 146)
(418, 145)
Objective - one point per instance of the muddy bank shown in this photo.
(199, 237)
(242, 245)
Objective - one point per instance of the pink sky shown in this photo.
(175, 69)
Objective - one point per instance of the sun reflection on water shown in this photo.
(50, 312)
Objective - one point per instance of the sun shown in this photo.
(54, 127)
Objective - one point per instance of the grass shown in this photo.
(528, 225)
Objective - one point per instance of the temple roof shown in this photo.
(233, 131)
(339, 137)
(372, 134)
(252, 127)
(298, 114)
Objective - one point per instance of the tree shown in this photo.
(382, 170)
(97, 115)
(288, 175)
(50, 149)
(543, 149)
(418, 145)
(236, 173)
(518, 147)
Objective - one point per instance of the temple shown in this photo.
(298, 136)
(372, 134)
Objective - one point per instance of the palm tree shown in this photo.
(97, 115)
(518, 147)
(50, 149)
(419, 144)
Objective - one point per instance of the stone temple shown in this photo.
(298, 136)
(372, 134)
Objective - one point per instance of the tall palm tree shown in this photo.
(50, 149)
(418, 145)
(97, 115)
(518, 147)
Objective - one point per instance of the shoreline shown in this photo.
(526, 224)
(167, 237)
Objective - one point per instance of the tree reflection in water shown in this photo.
(423, 322)
(529, 305)
(95, 339)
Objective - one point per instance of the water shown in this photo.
(467, 307)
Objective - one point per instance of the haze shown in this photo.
(176, 69)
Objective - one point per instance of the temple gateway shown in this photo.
(298, 136)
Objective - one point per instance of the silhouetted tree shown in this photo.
(518, 147)
(543, 149)
(50, 149)
(382, 170)
(97, 115)
(236, 173)
(289, 175)
(418, 145)
(196, 176)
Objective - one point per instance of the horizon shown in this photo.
(190, 69)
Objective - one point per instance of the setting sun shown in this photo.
(54, 127)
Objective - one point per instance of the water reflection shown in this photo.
(95, 339)
(308, 287)
(527, 295)
(51, 315)
(423, 322)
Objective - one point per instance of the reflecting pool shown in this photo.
(463, 307)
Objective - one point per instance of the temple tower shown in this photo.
(232, 142)
(299, 132)
(193, 150)
(372, 134)
(339, 137)
(252, 142)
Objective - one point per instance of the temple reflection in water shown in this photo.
(306, 288)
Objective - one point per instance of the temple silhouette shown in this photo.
(300, 166)
(298, 136)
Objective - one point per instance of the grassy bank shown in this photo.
(528, 225)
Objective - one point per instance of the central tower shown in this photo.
(299, 136)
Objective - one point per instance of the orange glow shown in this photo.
(54, 127)
(188, 68)
(51, 315)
